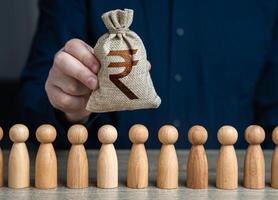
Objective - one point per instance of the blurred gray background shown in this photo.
(18, 21)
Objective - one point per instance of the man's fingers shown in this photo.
(67, 84)
(72, 78)
(82, 52)
(72, 67)
(65, 102)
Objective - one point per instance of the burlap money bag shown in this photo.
(124, 78)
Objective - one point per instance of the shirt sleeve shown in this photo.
(59, 21)
(266, 97)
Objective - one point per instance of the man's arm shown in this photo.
(59, 21)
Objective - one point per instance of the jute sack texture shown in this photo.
(124, 79)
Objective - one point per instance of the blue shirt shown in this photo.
(213, 63)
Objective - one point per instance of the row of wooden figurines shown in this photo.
(137, 173)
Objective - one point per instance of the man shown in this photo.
(213, 63)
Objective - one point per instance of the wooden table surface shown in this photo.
(122, 192)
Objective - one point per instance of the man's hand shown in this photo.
(72, 78)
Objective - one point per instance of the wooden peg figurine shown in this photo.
(19, 162)
(197, 164)
(167, 166)
(137, 171)
(46, 160)
(227, 166)
(254, 163)
(77, 164)
(274, 163)
(107, 163)
(1, 161)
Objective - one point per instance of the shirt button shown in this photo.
(180, 31)
(176, 123)
(178, 77)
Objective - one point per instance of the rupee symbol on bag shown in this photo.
(127, 64)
